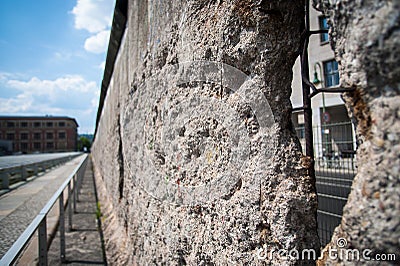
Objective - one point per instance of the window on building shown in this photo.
(49, 135)
(37, 146)
(49, 145)
(10, 136)
(37, 136)
(10, 124)
(49, 124)
(61, 124)
(24, 146)
(24, 136)
(300, 130)
(331, 73)
(24, 124)
(37, 124)
(62, 145)
(323, 25)
(61, 135)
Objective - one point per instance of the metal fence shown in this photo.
(335, 168)
(72, 184)
(17, 173)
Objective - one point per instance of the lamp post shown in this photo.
(316, 81)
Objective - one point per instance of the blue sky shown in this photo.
(52, 55)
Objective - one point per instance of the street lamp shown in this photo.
(316, 81)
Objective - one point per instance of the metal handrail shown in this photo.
(39, 222)
(4, 172)
(30, 162)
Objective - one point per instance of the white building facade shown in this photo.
(333, 131)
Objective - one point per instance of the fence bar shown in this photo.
(23, 170)
(35, 169)
(306, 100)
(5, 180)
(62, 227)
(74, 192)
(43, 243)
(335, 157)
(78, 185)
(69, 208)
(39, 223)
(331, 214)
(23, 173)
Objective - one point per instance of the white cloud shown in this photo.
(93, 15)
(67, 83)
(98, 43)
(70, 95)
(102, 65)
(62, 56)
(4, 76)
(20, 103)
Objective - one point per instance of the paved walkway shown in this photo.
(83, 243)
(20, 206)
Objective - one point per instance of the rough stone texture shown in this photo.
(366, 38)
(258, 196)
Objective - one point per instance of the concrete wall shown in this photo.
(197, 163)
(366, 39)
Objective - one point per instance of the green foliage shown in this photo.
(84, 144)
(98, 210)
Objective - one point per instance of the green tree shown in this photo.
(84, 144)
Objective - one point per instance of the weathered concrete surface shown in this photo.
(268, 199)
(366, 39)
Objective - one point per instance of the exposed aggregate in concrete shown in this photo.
(156, 212)
(366, 38)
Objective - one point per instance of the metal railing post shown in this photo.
(306, 99)
(74, 192)
(23, 173)
(35, 169)
(5, 180)
(69, 208)
(39, 223)
(78, 184)
(43, 242)
(62, 227)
